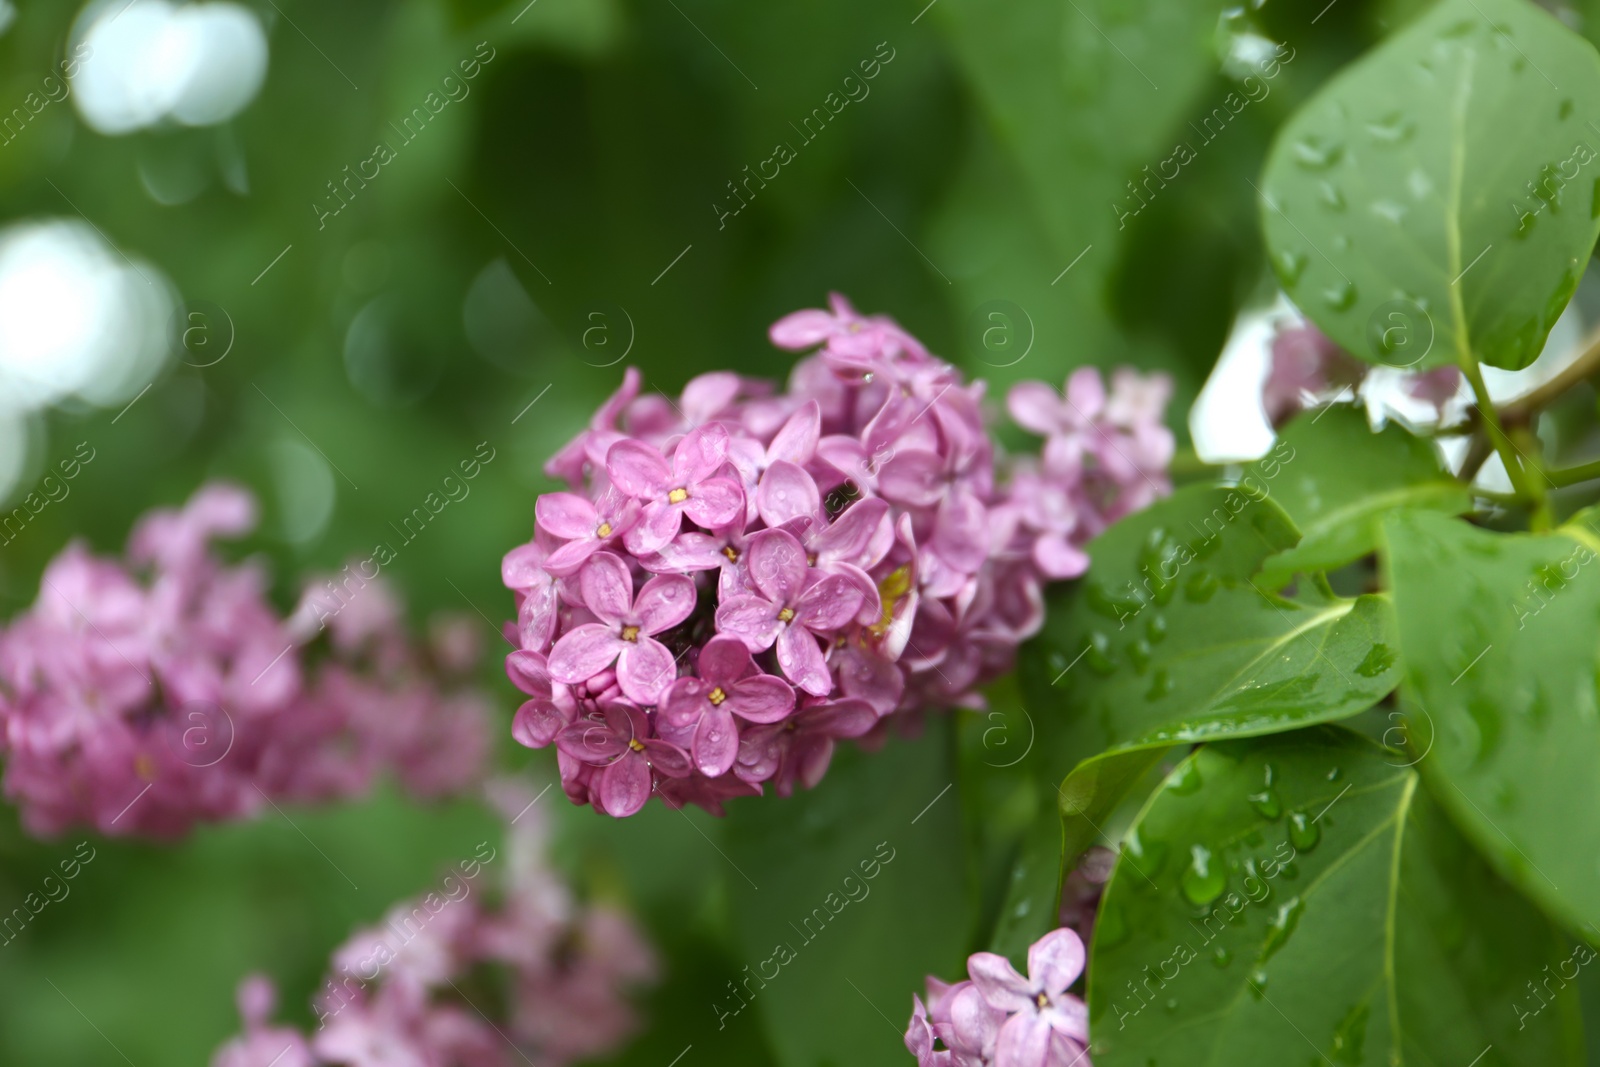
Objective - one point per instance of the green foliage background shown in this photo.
(993, 153)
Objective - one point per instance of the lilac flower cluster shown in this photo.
(396, 999)
(998, 1018)
(1307, 368)
(141, 696)
(741, 577)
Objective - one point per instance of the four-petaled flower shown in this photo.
(789, 609)
(689, 485)
(1041, 1009)
(618, 741)
(626, 631)
(698, 712)
(584, 526)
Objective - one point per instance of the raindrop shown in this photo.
(1258, 983)
(1378, 659)
(1202, 881)
(1156, 628)
(1098, 654)
(1330, 195)
(1282, 926)
(1341, 297)
(1160, 685)
(1267, 803)
(1312, 153)
(1200, 587)
(1304, 833)
(1221, 957)
(1290, 266)
(1185, 781)
(1391, 129)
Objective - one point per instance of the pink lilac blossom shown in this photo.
(999, 1018)
(735, 580)
(145, 694)
(1309, 368)
(407, 993)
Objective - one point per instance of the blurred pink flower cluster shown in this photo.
(742, 576)
(999, 1018)
(408, 993)
(143, 695)
(1309, 368)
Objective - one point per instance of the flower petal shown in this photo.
(777, 565)
(667, 758)
(683, 702)
(829, 604)
(607, 587)
(843, 718)
(999, 982)
(762, 698)
(625, 786)
(787, 492)
(1024, 1041)
(1056, 960)
(859, 535)
(803, 329)
(638, 469)
(566, 515)
(523, 568)
(567, 559)
(723, 661)
(1035, 406)
(715, 503)
(529, 672)
(663, 602)
(584, 652)
(698, 455)
(537, 723)
(802, 661)
(716, 742)
(591, 742)
(751, 619)
(644, 669)
(913, 477)
(797, 440)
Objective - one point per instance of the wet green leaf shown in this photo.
(1437, 200)
(1345, 922)
(1337, 479)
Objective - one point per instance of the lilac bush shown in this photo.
(741, 576)
(394, 998)
(143, 695)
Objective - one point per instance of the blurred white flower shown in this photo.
(198, 64)
(77, 318)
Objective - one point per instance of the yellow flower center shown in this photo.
(145, 767)
(786, 614)
(731, 552)
(717, 696)
(603, 530)
(678, 495)
(891, 591)
(636, 744)
(630, 633)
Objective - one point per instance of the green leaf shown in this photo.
(1498, 635)
(844, 898)
(1078, 98)
(1298, 899)
(1167, 640)
(1339, 479)
(1437, 201)
(1033, 898)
